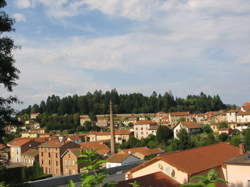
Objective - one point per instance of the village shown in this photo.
(58, 154)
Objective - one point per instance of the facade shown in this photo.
(190, 127)
(142, 152)
(144, 128)
(175, 117)
(18, 146)
(120, 136)
(34, 115)
(70, 161)
(121, 159)
(30, 156)
(50, 155)
(181, 166)
(83, 119)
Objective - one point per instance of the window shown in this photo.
(42, 153)
(49, 155)
(56, 163)
(49, 162)
(56, 155)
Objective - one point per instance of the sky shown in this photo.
(184, 46)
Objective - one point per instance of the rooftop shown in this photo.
(190, 125)
(205, 158)
(179, 114)
(240, 160)
(118, 157)
(145, 122)
(31, 152)
(157, 179)
(19, 141)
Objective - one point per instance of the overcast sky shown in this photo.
(186, 46)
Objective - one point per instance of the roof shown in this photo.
(240, 160)
(118, 157)
(190, 125)
(241, 113)
(233, 111)
(105, 133)
(52, 143)
(144, 122)
(205, 158)
(77, 151)
(246, 106)
(100, 148)
(179, 114)
(142, 150)
(19, 141)
(154, 127)
(31, 152)
(152, 180)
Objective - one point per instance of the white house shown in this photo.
(121, 159)
(243, 117)
(144, 128)
(191, 127)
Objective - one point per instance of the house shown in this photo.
(190, 127)
(101, 148)
(144, 128)
(121, 159)
(30, 156)
(120, 136)
(175, 117)
(142, 152)
(70, 160)
(246, 107)
(231, 116)
(18, 146)
(238, 169)
(157, 179)
(243, 117)
(71, 156)
(83, 119)
(50, 154)
(181, 166)
(34, 115)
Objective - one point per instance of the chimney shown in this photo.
(112, 131)
(242, 149)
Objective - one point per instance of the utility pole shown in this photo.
(112, 130)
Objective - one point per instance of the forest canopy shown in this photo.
(98, 103)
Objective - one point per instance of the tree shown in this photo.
(184, 139)
(235, 140)
(163, 134)
(223, 137)
(207, 129)
(222, 125)
(246, 138)
(8, 72)
(209, 180)
(92, 173)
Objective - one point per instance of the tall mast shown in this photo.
(112, 131)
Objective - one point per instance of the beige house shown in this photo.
(238, 170)
(30, 156)
(190, 127)
(142, 152)
(83, 119)
(144, 128)
(120, 136)
(175, 117)
(18, 146)
(181, 166)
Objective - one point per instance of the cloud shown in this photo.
(184, 46)
(19, 17)
(23, 4)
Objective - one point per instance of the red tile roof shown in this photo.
(241, 113)
(206, 157)
(246, 106)
(179, 114)
(105, 133)
(100, 148)
(142, 150)
(118, 157)
(55, 143)
(190, 125)
(157, 179)
(19, 141)
(145, 122)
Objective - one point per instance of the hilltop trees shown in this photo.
(98, 103)
(8, 72)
